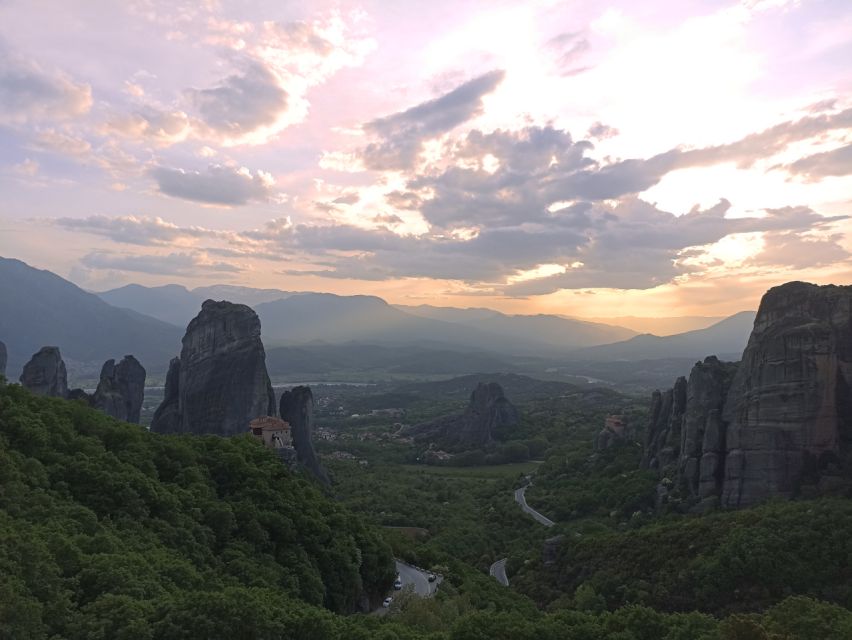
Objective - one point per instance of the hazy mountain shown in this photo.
(725, 339)
(323, 359)
(240, 295)
(171, 303)
(38, 308)
(663, 326)
(556, 330)
(178, 305)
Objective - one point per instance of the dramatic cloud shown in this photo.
(183, 264)
(139, 230)
(161, 127)
(837, 162)
(28, 93)
(402, 134)
(229, 186)
(244, 102)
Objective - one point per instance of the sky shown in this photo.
(595, 159)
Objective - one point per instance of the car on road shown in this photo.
(432, 577)
(397, 584)
(387, 602)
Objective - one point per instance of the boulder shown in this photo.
(297, 408)
(121, 389)
(45, 374)
(220, 383)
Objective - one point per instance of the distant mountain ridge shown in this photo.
(726, 339)
(290, 318)
(39, 308)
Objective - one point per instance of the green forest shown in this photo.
(108, 531)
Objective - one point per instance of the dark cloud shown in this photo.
(141, 230)
(837, 162)
(219, 184)
(185, 264)
(401, 135)
(28, 93)
(243, 102)
(788, 249)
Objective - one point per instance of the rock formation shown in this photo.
(488, 411)
(776, 422)
(121, 389)
(297, 408)
(167, 416)
(663, 437)
(3, 357)
(220, 382)
(45, 374)
(790, 403)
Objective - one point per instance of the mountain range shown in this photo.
(322, 332)
(38, 308)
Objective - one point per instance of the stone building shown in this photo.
(274, 432)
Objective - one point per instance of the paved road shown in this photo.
(420, 579)
(521, 500)
(498, 571)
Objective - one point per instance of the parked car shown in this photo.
(387, 602)
(397, 584)
(432, 577)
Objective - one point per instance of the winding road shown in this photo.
(420, 579)
(498, 572)
(498, 569)
(521, 499)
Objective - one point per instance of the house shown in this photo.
(274, 432)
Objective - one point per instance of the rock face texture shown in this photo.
(778, 421)
(663, 437)
(45, 374)
(297, 408)
(488, 411)
(167, 416)
(790, 404)
(220, 382)
(121, 389)
(3, 357)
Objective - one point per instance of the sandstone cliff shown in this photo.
(488, 411)
(297, 408)
(778, 422)
(220, 383)
(121, 389)
(45, 374)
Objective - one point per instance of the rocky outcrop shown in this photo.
(167, 416)
(487, 412)
(703, 434)
(3, 358)
(121, 389)
(662, 442)
(220, 383)
(45, 374)
(297, 408)
(777, 422)
(790, 404)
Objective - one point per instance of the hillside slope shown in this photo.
(39, 308)
(110, 531)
